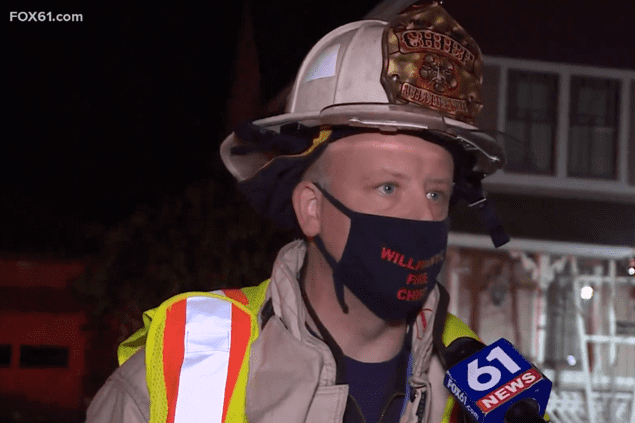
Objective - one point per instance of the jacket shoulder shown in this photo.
(250, 299)
(455, 328)
(124, 397)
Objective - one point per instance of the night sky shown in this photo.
(127, 107)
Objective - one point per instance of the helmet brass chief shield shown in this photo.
(430, 61)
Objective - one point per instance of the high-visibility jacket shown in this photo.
(215, 357)
(207, 372)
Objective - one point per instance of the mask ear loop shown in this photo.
(339, 287)
(319, 243)
(338, 205)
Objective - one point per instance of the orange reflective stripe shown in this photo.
(236, 294)
(173, 352)
(240, 335)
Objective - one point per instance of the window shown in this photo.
(531, 120)
(43, 356)
(593, 127)
(5, 355)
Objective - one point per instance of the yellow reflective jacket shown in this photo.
(206, 343)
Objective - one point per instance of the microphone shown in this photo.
(496, 383)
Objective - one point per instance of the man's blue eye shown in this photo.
(387, 188)
(437, 195)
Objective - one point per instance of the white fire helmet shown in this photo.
(420, 73)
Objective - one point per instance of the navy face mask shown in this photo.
(390, 264)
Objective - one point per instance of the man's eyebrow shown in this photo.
(395, 173)
(373, 173)
(400, 175)
(445, 181)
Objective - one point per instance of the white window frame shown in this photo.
(560, 184)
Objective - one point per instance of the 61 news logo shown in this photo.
(490, 381)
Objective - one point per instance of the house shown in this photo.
(563, 289)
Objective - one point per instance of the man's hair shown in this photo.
(316, 172)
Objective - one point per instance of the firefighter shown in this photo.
(377, 141)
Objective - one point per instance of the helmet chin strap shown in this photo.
(472, 192)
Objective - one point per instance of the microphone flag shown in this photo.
(488, 382)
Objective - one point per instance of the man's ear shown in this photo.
(306, 203)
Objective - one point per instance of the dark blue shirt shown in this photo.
(373, 384)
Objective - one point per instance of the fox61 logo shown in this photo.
(45, 17)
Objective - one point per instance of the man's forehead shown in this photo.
(384, 142)
(402, 156)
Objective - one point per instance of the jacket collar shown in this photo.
(286, 297)
(288, 351)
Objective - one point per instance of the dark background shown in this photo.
(129, 106)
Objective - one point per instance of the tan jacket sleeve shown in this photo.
(124, 397)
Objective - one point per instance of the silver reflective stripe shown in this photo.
(206, 359)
